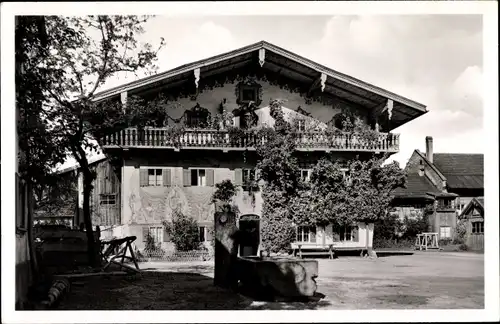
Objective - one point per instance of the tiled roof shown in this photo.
(461, 170)
(416, 186)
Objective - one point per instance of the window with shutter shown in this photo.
(186, 177)
(238, 177)
(143, 177)
(210, 177)
(199, 177)
(167, 177)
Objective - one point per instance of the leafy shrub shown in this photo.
(445, 241)
(151, 248)
(381, 243)
(224, 191)
(183, 231)
(463, 247)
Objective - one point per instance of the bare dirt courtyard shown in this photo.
(433, 280)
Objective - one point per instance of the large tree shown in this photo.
(85, 52)
(40, 151)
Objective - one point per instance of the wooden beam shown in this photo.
(380, 109)
(123, 99)
(315, 85)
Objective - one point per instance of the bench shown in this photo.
(326, 249)
(122, 245)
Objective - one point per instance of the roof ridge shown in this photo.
(251, 48)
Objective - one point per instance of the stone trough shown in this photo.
(282, 276)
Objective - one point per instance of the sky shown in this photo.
(433, 59)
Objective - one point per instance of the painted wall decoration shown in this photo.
(152, 205)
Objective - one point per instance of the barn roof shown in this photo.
(291, 65)
(416, 187)
(462, 171)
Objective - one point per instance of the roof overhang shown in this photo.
(291, 65)
(442, 194)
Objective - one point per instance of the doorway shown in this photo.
(249, 226)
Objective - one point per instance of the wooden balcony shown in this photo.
(220, 139)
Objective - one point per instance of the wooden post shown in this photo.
(226, 247)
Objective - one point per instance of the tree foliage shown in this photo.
(331, 196)
(40, 150)
(84, 52)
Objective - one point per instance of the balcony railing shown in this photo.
(221, 139)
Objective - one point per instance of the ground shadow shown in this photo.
(151, 290)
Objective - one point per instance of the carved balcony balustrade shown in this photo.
(222, 139)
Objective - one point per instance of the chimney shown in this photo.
(428, 148)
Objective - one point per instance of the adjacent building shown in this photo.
(473, 215)
(155, 171)
(447, 181)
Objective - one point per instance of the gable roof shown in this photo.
(462, 171)
(416, 187)
(477, 202)
(431, 165)
(280, 60)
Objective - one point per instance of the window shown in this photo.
(249, 180)
(306, 234)
(202, 233)
(477, 227)
(444, 203)
(301, 125)
(155, 178)
(444, 232)
(248, 94)
(107, 199)
(305, 175)
(346, 233)
(198, 177)
(197, 117)
(345, 173)
(156, 233)
(248, 175)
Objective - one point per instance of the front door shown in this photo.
(249, 226)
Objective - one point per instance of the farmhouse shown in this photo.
(153, 171)
(447, 181)
(473, 215)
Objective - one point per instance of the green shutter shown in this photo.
(143, 177)
(186, 177)
(167, 177)
(145, 232)
(355, 235)
(238, 177)
(210, 177)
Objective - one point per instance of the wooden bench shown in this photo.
(326, 249)
(115, 244)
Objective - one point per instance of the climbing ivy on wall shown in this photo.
(280, 171)
(362, 194)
